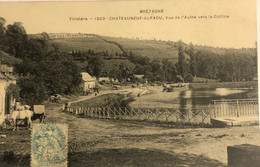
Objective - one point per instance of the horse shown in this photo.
(21, 115)
(19, 107)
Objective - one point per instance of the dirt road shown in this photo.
(99, 142)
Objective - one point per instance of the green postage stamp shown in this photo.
(49, 145)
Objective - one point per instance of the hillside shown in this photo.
(91, 42)
(149, 48)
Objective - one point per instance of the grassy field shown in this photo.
(106, 100)
(92, 43)
(149, 48)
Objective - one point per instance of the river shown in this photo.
(182, 98)
(202, 98)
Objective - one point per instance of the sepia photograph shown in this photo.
(129, 83)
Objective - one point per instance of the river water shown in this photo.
(197, 99)
(186, 98)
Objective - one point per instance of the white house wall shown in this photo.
(89, 85)
(3, 84)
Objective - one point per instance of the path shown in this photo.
(99, 142)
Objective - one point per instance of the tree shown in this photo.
(13, 90)
(2, 30)
(193, 65)
(16, 39)
(181, 64)
(156, 66)
(169, 70)
(33, 91)
(95, 66)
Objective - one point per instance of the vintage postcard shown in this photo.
(129, 83)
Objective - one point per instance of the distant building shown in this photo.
(107, 80)
(68, 35)
(89, 82)
(140, 78)
(6, 100)
(103, 80)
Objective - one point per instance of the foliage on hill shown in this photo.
(123, 66)
(233, 66)
(223, 64)
(5, 58)
(192, 61)
(44, 69)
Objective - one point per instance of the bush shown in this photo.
(188, 77)
(14, 90)
(32, 91)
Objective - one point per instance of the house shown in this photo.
(6, 100)
(89, 82)
(140, 78)
(105, 79)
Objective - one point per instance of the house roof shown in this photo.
(104, 78)
(86, 77)
(6, 72)
(7, 76)
(10, 77)
(139, 76)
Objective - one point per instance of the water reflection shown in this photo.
(183, 104)
(198, 99)
(225, 91)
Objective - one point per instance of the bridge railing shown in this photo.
(193, 116)
(235, 108)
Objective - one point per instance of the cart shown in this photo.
(39, 113)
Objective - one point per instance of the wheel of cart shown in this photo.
(39, 113)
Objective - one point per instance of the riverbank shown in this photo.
(249, 85)
(105, 100)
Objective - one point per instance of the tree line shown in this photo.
(44, 70)
(231, 66)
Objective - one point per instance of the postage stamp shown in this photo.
(49, 145)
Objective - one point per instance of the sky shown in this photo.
(234, 27)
